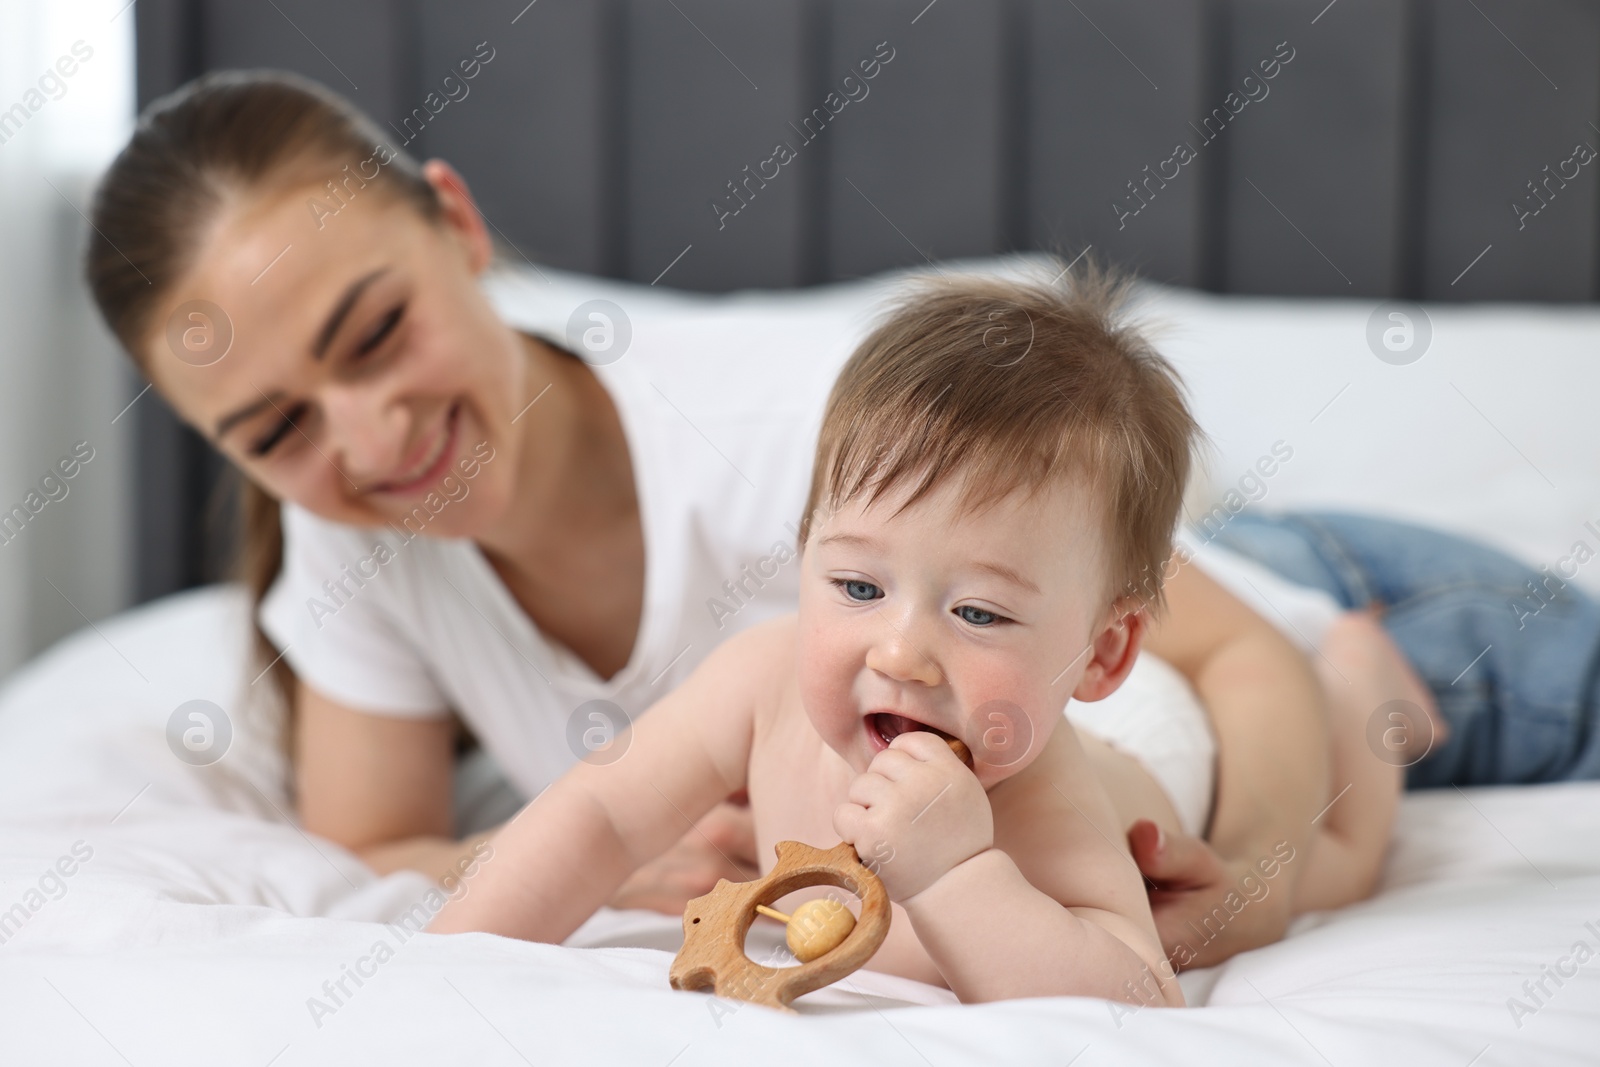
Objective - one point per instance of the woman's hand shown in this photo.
(1208, 908)
(721, 845)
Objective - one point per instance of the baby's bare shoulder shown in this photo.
(761, 650)
(758, 660)
(1056, 821)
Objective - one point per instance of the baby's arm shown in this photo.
(566, 853)
(1076, 923)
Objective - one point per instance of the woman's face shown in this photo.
(368, 376)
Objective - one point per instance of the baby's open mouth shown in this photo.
(883, 727)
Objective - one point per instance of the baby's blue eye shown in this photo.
(858, 590)
(976, 616)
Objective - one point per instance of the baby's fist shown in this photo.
(916, 813)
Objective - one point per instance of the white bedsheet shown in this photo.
(204, 922)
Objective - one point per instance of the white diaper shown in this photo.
(1156, 718)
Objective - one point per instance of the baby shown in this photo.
(999, 464)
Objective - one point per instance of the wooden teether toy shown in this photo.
(828, 941)
(715, 925)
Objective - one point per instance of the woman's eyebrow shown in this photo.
(228, 422)
(335, 319)
(341, 310)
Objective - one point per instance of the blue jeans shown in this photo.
(1513, 665)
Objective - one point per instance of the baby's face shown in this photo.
(975, 626)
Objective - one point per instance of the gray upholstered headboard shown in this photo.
(1423, 149)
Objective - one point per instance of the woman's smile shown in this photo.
(430, 458)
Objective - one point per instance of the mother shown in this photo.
(477, 523)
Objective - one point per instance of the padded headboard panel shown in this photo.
(1423, 149)
(1382, 158)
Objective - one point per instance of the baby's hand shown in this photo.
(915, 814)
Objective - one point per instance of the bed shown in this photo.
(157, 911)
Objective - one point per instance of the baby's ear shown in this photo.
(1113, 650)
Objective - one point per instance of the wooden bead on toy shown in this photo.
(816, 928)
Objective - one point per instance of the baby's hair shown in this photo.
(1014, 385)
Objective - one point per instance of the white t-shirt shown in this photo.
(721, 400)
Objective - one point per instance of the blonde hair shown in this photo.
(1014, 385)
